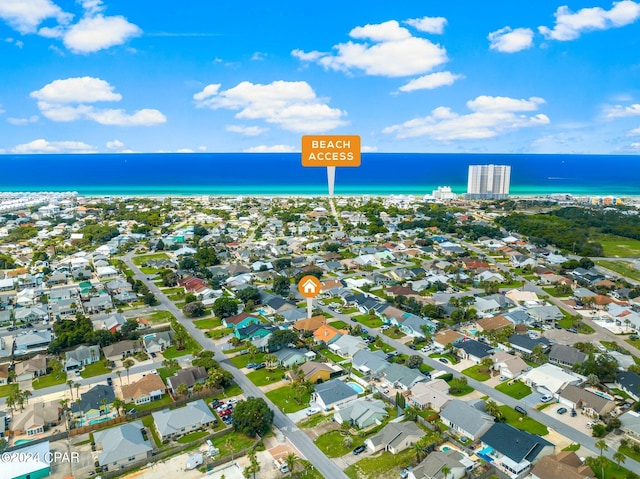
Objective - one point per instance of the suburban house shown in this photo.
(157, 342)
(567, 356)
(287, 357)
(173, 423)
(512, 450)
(524, 343)
(81, 357)
(395, 437)
(347, 346)
(149, 388)
(122, 445)
(565, 464)
(370, 362)
(362, 413)
(327, 334)
(93, 403)
(493, 323)
(473, 350)
(445, 337)
(333, 394)
(239, 321)
(31, 342)
(31, 368)
(580, 399)
(550, 377)
(508, 365)
(254, 331)
(401, 377)
(309, 324)
(467, 418)
(315, 372)
(431, 467)
(630, 425)
(38, 467)
(36, 417)
(629, 382)
(112, 322)
(545, 314)
(119, 350)
(432, 394)
(188, 376)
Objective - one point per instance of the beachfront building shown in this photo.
(488, 181)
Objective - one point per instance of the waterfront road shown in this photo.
(298, 438)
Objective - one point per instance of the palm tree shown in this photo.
(27, 394)
(77, 386)
(198, 387)
(619, 457)
(117, 404)
(70, 384)
(65, 407)
(347, 441)
(182, 389)
(271, 361)
(103, 404)
(119, 374)
(602, 445)
(127, 363)
(445, 471)
(291, 460)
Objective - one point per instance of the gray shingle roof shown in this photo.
(121, 442)
(170, 422)
(466, 416)
(334, 391)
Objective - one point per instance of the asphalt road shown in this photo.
(299, 439)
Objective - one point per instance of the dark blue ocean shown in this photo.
(282, 174)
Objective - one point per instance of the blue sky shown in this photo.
(408, 76)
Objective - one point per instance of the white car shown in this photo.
(602, 348)
(425, 349)
(546, 398)
(312, 410)
(153, 371)
(384, 327)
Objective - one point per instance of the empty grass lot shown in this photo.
(383, 465)
(618, 246)
(208, 323)
(244, 359)
(621, 267)
(513, 417)
(515, 389)
(265, 376)
(368, 321)
(48, 380)
(477, 372)
(332, 444)
(288, 399)
(138, 260)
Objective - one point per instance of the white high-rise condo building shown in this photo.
(488, 181)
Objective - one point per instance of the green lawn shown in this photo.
(349, 310)
(382, 465)
(232, 390)
(7, 389)
(619, 246)
(339, 324)
(573, 447)
(148, 422)
(477, 372)
(95, 369)
(391, 333)
(244, 359)
(524, 423)
(149, 271)
(166, 372)
(187, 438)
(169, 291)
(621, 267)
(192, 347)
(288, 399)
(160, 317)
(231, 443)
(555, 292)
(368, 321)
(165, 400)
(265, 376)
(452, 359)
(463, 391)
(515, 389)
(314, 421)
(334, 357)
(138, 260)
(48, 380)
(208, 323)
(612, 471)
(425, 368)
(219, 333)
(332, 443)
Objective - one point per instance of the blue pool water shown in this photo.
(356, 387)
(262, 311)
(485, 454)
(19, 442)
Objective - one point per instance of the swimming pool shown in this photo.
(600, 393)
(356, 387)
(19, 442)
(445, 448)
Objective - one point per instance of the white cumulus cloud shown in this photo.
(25, 15)
(44, 146)
(489, 117)
(570, 25)
(115, 145)
(431, 81)
(246, 130)
(67, 100)
(385, 49)
(293, 106)
(22, 121)
(634, 132)
(508, 40)
(428, 24)
(271, 149)
(620, 111)
(98, 32)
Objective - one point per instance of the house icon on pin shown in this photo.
(309, 286)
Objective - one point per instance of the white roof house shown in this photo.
(551, 377)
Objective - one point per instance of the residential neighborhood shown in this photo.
(166, 333)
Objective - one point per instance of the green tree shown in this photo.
(602, 445)
(291, 460)
(194, 309)
(281, 338)
(619, 457)
(414, 361)
(224, 307)
(445, 471)
(127, 364)
(281, 285)
(252, 416)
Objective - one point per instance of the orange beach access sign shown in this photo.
(331, 150)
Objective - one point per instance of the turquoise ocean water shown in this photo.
(282, 174)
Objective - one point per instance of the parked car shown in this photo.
(384, 327)
(443, 360)
(260, 366)
(405, 472)
(521, 410)
(312, 410)
(572, 330)
(574, 413)
(77, 372)
(413, 346)
(359, 450)
(153, 355)
(251, 365)
(561, 410)
(546, 398)
(503, 378)
(425, 349)
(109, 382)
